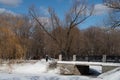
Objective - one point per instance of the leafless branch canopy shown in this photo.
(77, 14)
(33, 13)
(115, 16)
(113, 3)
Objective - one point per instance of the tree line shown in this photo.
(19, 39)
(33, 36)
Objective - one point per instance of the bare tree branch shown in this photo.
(115, 4)
(33, 14)
(115, 19)
(78, 14)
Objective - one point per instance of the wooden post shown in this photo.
(104, 58)
(60, 57)
(74, 57)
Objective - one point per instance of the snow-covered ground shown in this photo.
(39, 71)
(111, 75)
(36, 67)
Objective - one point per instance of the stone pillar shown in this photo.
(86, 58)
(104, 58)
(74, 57)
(60, 57)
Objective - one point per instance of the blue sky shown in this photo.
(60, 6)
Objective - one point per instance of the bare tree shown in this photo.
(115, 15)
(78, 13)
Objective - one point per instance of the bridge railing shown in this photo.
(93, 58)
(89, 58)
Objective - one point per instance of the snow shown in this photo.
(97, 68)
(5, 76)
(29, 68)
(89, 63)
(111, 75)
(36, 68)
(39, 71)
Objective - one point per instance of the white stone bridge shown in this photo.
(82, 67)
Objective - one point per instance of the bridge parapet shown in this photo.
(94, 58)
(82, 68)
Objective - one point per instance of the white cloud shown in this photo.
(44, 10)
(5, 11)
(101, 9)
(11, 2)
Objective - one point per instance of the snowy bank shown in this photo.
(111, 75)
(37, 67)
